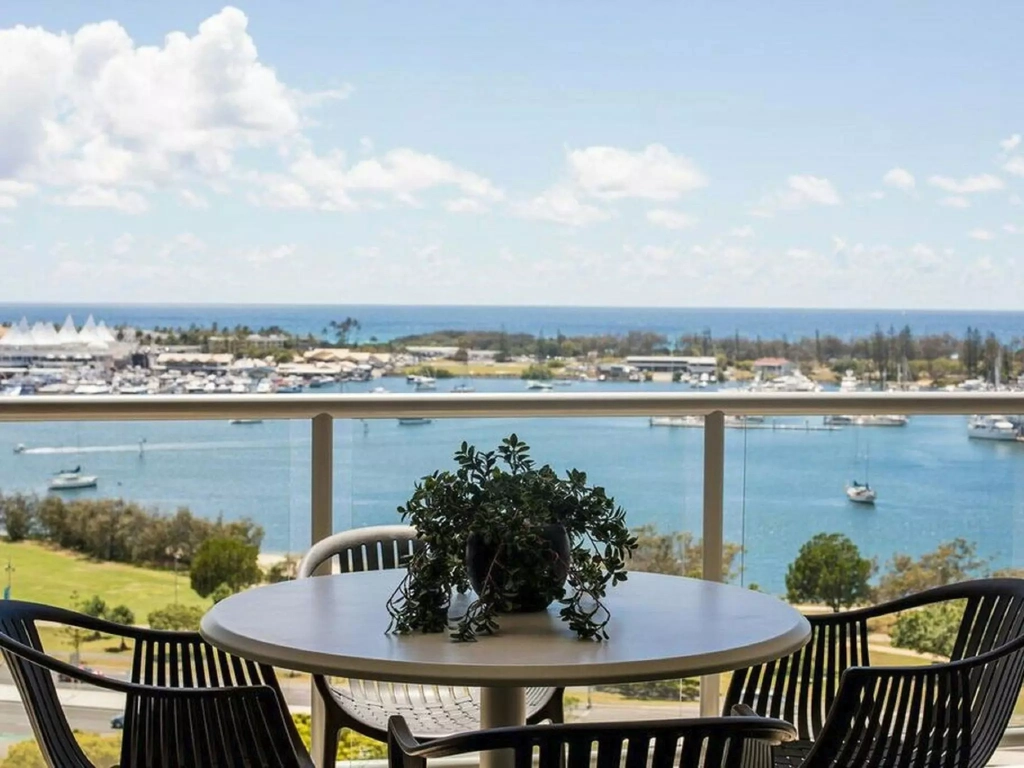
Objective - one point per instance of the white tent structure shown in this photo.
(68, 334)
(104, 333)
(88, 334)
(44, 335)
(18, 336)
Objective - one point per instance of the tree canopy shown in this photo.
(950, 562)
(224, 560)
(829, 569)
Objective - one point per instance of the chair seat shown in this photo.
(430, 711)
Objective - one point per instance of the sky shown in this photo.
(744, 154)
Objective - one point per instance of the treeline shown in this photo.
(886, 353)
(117, 530)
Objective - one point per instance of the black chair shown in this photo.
(187, 704)
(718, 742)
(943, 715)
(365, 705)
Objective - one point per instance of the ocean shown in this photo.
(781, 486)
(388, 322)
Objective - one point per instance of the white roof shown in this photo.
(44, 335)
(105, 333)
(18, 336)
(88, 333)
(68, 334)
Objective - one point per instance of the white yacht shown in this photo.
(541, 385)
(425, 383)
(888, 420)
(70, 480)
(849, 382)
(861, 494)
(991, 427)
(677, 421)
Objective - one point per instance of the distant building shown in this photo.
(43, 345)
(195, 361)
(673, 363)
(252, 341)
(770, 367)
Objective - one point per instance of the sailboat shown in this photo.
(862, 493)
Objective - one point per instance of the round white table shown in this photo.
(661, 627)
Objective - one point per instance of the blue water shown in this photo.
(389, 322)
(781, 487)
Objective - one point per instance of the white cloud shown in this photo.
(93, 196)
(11, 191)
(955, 201)
(876, 195)
(900, 179)
(465, 205)
(1010, 144)
(653, 174)
(744, 231)
(800, 191)
(1015, 200)
(1013, 229)
(1015, 165)
(122, 244)
(267, 255)
(92, 108)
(980, 234)
(560, 205)
(192, 199)
(670, 219)
(969, 185)
(328, 183)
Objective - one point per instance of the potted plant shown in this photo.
(521, 536)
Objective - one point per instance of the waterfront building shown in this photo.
(673, 363)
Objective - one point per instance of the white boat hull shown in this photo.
(84, 481)
(861, 495)
(983, 433)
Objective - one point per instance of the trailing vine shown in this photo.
(508, 502)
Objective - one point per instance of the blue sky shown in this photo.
(741, 154)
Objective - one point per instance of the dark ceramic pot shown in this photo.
(526, 591)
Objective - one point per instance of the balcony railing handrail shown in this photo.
(501, 405)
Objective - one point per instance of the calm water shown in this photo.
(782, 487)
(388, 322)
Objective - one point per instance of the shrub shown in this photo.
(101, 750)
(351, 745)
(176, 616)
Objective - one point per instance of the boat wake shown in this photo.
(150, 447)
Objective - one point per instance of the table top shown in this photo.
(661, 627)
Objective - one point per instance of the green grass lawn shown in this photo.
(45, 575)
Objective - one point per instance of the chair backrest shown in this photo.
(38, 692)
(375, 548)
(729, 742)
(239, 718)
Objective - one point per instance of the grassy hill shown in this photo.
(45, 575)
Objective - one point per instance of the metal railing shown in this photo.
(322, 410)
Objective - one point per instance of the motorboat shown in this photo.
(887, 420)
(677, 421)
(413, 421)
(993, 427)
(539, 385)
(426, 383)
(19, 448)
(71, 480)
(849, 382)
(860, 494)
(838, 420)
(462, 389)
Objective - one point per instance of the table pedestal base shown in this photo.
(501, 707)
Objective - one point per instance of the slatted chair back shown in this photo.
(943, 715)
(38, 692)
(375, 548)
(734, 742)
(187, 703)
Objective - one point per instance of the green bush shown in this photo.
(223, 561)
(101, 750)
(536, 372)
(687, 689)
(931, 629)
(176, 616)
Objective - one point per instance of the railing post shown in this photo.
(713, 543)
(321, 525)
